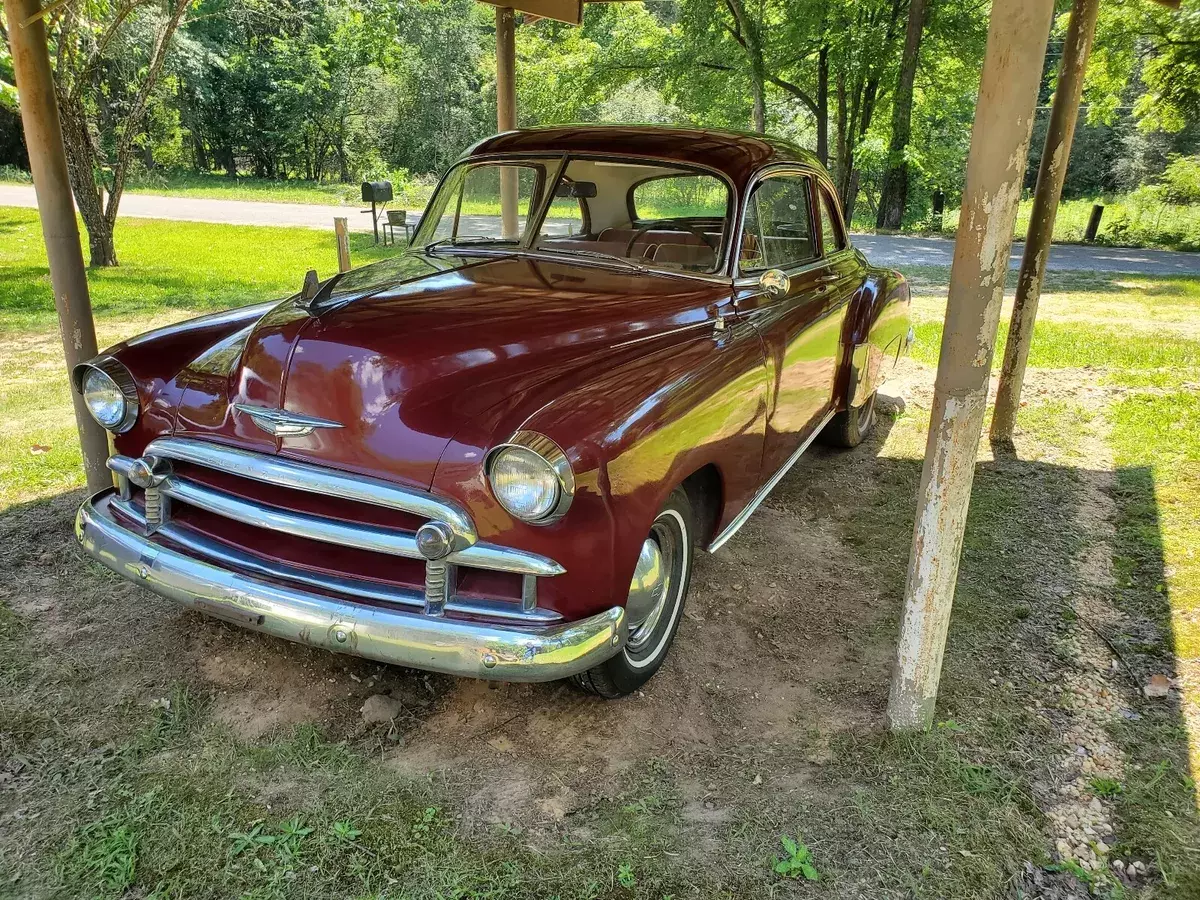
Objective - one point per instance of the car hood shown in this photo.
(398, 356)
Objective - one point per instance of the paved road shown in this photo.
(901, 250)
(889, 250)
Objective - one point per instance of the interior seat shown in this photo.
(699, 257)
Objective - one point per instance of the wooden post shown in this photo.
(506, 113)
(1053, 171)
(60, 231)
(1093, 225)
(1012, 68)
(343, 244)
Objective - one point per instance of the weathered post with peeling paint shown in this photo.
(506, 114)
(60, 231)
(1053, 171)
(1012, 67)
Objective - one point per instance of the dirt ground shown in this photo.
(783, 656)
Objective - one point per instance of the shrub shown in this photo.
(1181, 180)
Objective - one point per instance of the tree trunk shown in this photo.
(199, 155)
(748, 35)
(89, 196)
(226, 160)
(894, 194)
(823, 105)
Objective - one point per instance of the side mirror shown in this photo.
(775, 282)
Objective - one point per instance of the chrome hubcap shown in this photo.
(650, 588)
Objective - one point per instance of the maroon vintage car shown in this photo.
(493, 454)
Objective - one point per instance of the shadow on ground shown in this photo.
(764, 721)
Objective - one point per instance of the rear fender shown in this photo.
(878, 331)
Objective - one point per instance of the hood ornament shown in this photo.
(282, 423)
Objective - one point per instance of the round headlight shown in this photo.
(104, 398)
(524, 483)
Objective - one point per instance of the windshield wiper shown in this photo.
(595, 254)
(451, 243)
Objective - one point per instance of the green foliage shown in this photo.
(1106, 787)
(796, 861)
(1181, 180)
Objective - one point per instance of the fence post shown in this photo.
(1093, 225)
(343, 244)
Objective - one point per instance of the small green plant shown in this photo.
(428, 818)
(797, 861)
(345, 832)
(1106, 787)
(625, 875)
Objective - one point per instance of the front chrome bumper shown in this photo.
(439, 644)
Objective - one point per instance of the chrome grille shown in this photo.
(440, 575)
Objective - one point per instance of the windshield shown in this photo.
(632, 213)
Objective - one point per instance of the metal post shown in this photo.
(1053, 171)
(1012, 68)
(506, 113)
(60, 231)
(343, 244)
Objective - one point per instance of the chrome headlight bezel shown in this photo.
(115, 371)
(557, 463)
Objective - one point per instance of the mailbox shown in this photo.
(377, 191)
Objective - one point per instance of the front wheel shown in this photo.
(656, 597)
(852, 426)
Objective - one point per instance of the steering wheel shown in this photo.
(674, 225)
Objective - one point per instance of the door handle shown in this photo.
(827, 279)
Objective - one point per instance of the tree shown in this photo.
(894, 193)
(1158, 47)
(109, 55)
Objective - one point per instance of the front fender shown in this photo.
(155, 358)
(633, 433)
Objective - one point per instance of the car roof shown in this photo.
(735, 154)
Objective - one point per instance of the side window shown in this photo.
(778, 229)
(832, 238)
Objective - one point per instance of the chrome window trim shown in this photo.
(559, 464)
(122, 378)
(762, 174)
(719, 271)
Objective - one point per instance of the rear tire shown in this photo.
(651, 638)
(852, 426)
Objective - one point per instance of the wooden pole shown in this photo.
(60, 231)
(1012, 68)
(343, 244)
(506, 113)
(1053, 171)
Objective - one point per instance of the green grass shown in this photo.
(162, 802)
(1129, 220)
(1138, 323)
(185, 266)
(170, 271)
(1059, 346)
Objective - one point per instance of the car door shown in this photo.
(800, 319)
